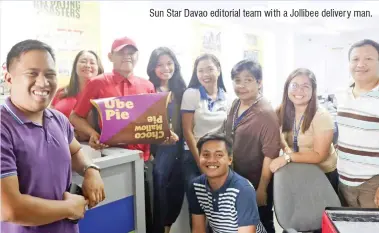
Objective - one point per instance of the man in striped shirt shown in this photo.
(358, 125)
(222, 196)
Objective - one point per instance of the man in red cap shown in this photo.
(121, 82)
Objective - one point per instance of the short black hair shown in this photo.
(363, 43)
(253, 67)
(216, 137)
(24, 46)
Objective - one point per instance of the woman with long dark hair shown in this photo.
(204, 109)
(164, 72)
(86, 65)
(306, 128)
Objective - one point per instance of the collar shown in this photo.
(204, 95)
(118, 78)
(224, 186)
(18, 115)
(373, 92)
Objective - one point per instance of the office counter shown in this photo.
(123, 210)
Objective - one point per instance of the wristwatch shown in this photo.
(287, 157)
(94, 166)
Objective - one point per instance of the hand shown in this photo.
(76, 204)
(288, 150)
(277, 163)
(377, 198)
(172, 139)
(261, 196)
(93, 187)
(95, 143)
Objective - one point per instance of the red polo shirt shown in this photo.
(65, 105)
(113, 85)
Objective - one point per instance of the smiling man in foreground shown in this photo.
(222, 196)
(39, 151)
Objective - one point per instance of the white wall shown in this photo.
(327, 56)
(132, 19)
(284, 48)
(11, 30)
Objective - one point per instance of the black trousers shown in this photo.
(148, 210)
(266, 214)
(333, 179)
(168, 187)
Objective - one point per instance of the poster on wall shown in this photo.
(252, 47)
(133, 119)
(68, 26)
(251, 54)
(208, 39)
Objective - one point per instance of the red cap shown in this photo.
(120, 43)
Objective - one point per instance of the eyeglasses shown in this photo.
(303, 87)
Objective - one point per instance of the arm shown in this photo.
(270, 141)
(93, 186)
(197, 213)
(284, 144)
(322, 140)
(190, 101)
(24, 209)
(187, 122)
(81, 124)
(246, 205)
(321, 148)
(82, 109)
(248, 229)
(266, 176)
(27, 210)
(198, 223)
(79, 160)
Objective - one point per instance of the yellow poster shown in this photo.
(68, 26)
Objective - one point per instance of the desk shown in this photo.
(123, 210)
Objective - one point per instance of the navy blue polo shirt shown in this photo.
(232, 206)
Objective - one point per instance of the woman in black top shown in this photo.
(164, 72)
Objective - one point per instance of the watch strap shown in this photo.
(94, 166)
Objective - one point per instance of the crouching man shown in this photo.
(226, 199)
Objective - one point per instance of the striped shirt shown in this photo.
(232, 206)
(358, 139)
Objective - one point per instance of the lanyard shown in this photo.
(296, 133)
(235, 123)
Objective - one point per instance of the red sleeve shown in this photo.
(56, 98)
(152, 89)
(146, 152)
(145, 148)
(91, 91)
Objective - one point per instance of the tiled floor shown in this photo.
(182, 223)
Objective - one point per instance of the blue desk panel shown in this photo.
(115, 217)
